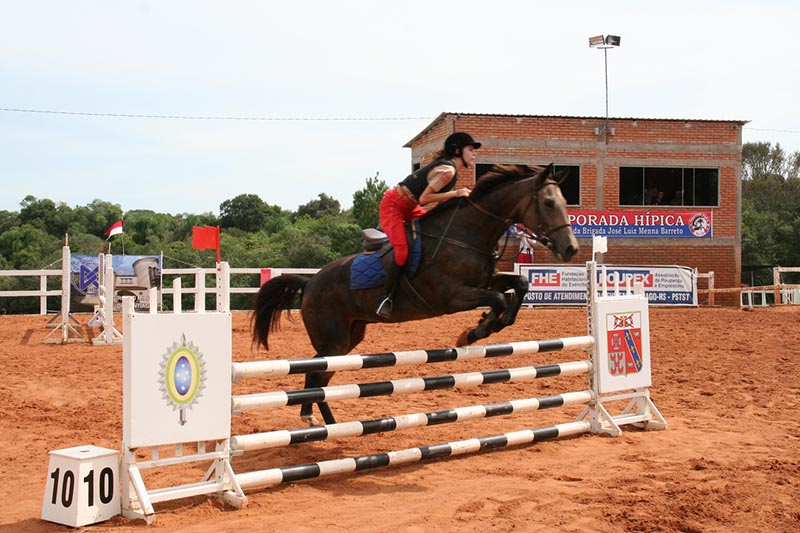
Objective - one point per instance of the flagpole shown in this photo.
(219, 256)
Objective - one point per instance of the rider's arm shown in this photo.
(438, 177)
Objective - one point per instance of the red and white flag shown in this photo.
(115, 228)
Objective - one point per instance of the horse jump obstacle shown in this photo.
(618, 369)
(104, 310)
(65, 328)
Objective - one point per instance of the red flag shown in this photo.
(206, 237)
(115, 228)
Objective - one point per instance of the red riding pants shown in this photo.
(395, 211)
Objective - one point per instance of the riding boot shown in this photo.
(390, 286)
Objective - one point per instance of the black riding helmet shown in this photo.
(458, 140)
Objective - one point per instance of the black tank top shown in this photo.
(417, 181)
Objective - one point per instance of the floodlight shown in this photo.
(604, 43)
(597, 40)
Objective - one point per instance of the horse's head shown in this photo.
(545, 212)
(531, 196)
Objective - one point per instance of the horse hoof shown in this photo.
(310, 420)
(463, 339)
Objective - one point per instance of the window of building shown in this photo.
(570, 187)
(668, 186)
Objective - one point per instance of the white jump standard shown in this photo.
(178, 377)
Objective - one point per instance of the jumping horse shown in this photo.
(456, 270)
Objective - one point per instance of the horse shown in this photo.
(456, 271)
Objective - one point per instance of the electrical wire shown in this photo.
(196, 117)
(265, 119)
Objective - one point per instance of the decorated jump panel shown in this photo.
(178, 386)
(623, 353)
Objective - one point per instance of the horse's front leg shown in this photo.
(470, 298)
(502, 283)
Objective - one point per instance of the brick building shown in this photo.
(694, 164)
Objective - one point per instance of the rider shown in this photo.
(432, 184)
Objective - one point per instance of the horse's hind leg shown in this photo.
(321, 379)
(316, 380)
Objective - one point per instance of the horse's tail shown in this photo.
(276, 295)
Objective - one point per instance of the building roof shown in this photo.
(444, 114)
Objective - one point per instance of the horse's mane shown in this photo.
(497, 176)
(500, 174)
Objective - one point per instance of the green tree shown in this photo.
(8, 220)
(246, 212)
(149, 229)
(186, 221)
(761, 160)
(276, 219)
(770, 210)
(366, 202)
(28, 247)
(39, 214)
(98, 216)
(323, 205)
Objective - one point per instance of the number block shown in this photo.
(82, 486)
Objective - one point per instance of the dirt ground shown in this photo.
(726, 380)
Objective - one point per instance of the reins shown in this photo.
(446, 228)
(541, 235)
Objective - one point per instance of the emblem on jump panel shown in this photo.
(182, 376)
(624, 344)
(84, 275)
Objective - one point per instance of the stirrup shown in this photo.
(385, 308)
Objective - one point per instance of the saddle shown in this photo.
(366, 270)
(374, 240)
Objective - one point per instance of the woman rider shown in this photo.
(432, 184)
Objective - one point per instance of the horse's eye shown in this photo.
(549, 203)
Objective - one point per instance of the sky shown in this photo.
(309, 97)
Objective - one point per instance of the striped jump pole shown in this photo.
(268, 400)
(340, 363)
(273, 439)
(275, 476)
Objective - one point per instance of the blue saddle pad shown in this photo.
(367, 272)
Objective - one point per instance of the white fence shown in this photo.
(778, 293)
(199, 275)
(42, 293)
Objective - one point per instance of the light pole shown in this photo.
(604, 43)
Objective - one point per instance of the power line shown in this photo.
(265, 119)
(779, 131)
(195, 117)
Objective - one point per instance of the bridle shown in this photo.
(540, 233)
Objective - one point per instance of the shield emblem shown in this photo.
(624, 344)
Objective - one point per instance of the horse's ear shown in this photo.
(559, 176)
